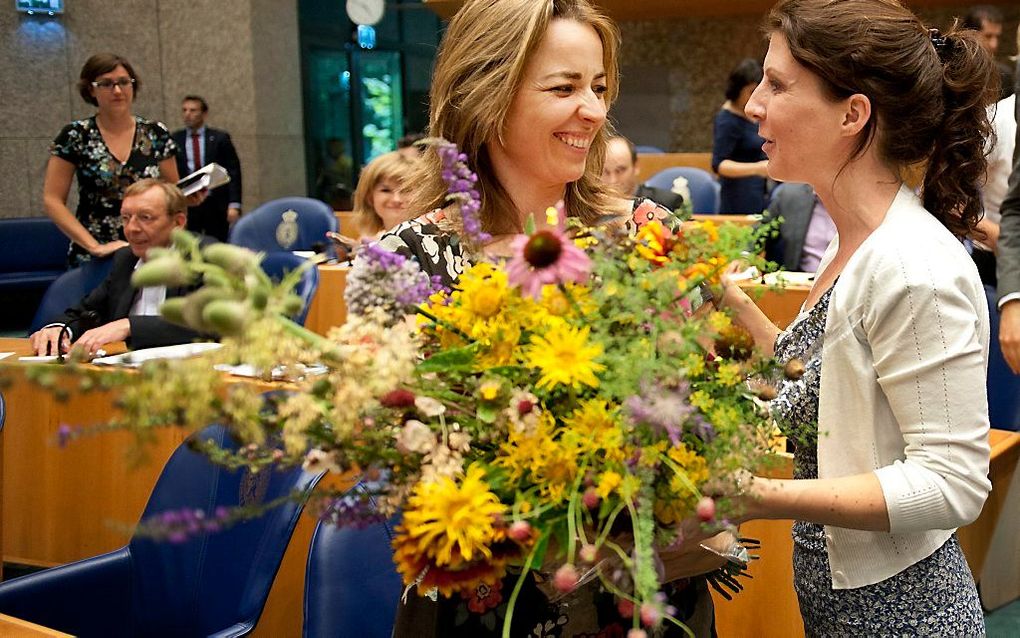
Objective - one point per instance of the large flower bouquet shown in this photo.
(565, 410)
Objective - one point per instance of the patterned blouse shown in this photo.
(102, 178)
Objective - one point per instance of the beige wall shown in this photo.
(241, 55)
(674, 72)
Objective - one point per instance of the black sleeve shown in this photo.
(233, 166)
(151, 331)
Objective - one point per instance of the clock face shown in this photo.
(367, 12)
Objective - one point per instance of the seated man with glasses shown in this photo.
(115, 311)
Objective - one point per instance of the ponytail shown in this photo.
(956, 169)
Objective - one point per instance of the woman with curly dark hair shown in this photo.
(886, 397)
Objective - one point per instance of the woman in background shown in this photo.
(107, 152)
(380, 201)
(736, 148)
(887, 406)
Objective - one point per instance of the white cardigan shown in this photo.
(902, 393)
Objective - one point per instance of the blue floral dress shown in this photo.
(934, 597)
(102, 178)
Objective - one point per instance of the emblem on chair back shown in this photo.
(287, 231)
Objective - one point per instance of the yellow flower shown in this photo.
(450, 523)
(489, 390)
(694, 363)
(728, 374)
(594, 426)
(565, 357)
(719, 321)
(483, 290)
(608, 483)
(701, 400)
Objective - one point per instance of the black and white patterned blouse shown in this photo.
(102, 178)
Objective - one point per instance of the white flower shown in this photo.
(415, 436)
(428, 406)
(460, 441)
(681, 188)
(318, 460)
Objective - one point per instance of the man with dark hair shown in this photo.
(199, 145)
(621, 171)
(986, 19)
(116, 311)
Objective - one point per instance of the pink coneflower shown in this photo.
(546, 257)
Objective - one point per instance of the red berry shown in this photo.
(520, 531)
(565, 579)
(706, 509)
(590, 498)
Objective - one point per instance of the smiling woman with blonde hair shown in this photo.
(523, 87)
(380, 200)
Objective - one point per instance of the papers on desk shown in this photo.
(791, 278)
(209, 176)
(136, 358)
(278, 373)
(4, 355)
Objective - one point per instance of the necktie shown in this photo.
(196, 152)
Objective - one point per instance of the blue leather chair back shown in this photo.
(277, 265)
(1003, 385)
(352, 587)
(3, 412)
(642, 148)
(704, 188)
(260, 230)
(33, 253)
(68, 290)
(219, 580)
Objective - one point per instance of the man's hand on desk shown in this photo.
(44, 341)
(1009, 334)
(96, 338)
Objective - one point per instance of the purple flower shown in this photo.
(663, 408)
(386, 280)
(64, 435)
(460, 188)
(350, 511)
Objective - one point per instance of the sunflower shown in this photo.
(565, 357)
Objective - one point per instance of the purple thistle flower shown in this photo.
(387, 280)
(662, 408)
(460, 188)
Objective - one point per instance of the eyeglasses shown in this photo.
(142, 218)
(107, 85)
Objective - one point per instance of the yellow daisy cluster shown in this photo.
(564, 356)
(490, 312)
(674, 500)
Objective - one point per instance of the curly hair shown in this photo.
(929, 91)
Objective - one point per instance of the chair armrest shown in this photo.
(87, 597)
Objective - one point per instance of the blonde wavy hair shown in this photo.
(479, 69)
(392, 166)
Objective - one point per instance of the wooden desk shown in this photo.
(739, 220)
(780, 306)
(11, 627)
(328, 308)
(59, 502)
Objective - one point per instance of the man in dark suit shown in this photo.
(621, 171)
(197, 146)
(115, 311)
(1008, 264)
(806, 229)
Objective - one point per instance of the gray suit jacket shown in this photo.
(795, 203)
(1008, 257)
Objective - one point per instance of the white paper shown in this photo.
(4, 355)
(138, 357)
(209, 176)
(40, 359)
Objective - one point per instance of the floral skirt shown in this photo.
(933, 597)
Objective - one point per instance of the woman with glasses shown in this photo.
(106, 152)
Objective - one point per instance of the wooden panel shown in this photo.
(328, 308)
(976, 538)
(11, 627)
(348, 223)
(651, 163)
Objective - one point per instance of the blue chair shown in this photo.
(213, 584)
(352, 587)
(704, 188)
(1003, 385)
(3, 411)
(271, 228)
(68, 290)
(640, 148)
(277, 265)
